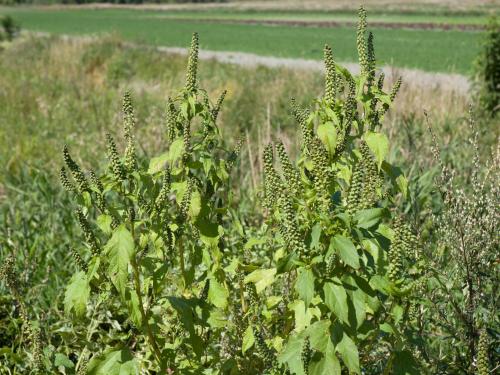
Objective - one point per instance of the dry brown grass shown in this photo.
(68, 91)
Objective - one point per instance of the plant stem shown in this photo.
(181, 258)
(137, 286)
(149, 332)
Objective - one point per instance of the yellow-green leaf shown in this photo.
(262, 278)
(119, 250)
(378, 144)
(77, 294)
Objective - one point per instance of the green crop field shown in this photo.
(430, 50)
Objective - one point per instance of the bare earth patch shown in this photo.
(443, 81)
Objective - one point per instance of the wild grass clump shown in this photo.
(462, 301)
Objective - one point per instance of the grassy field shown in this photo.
(430, 50)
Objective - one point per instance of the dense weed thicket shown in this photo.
(9, 28)
(488, 69)
(156, 264)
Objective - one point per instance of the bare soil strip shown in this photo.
(332, 24)
(452, 83)
(442, 81)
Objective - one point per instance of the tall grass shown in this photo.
(54, 89)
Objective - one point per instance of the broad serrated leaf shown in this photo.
(77, 294)
(368, 218)
(346, 250)
(62, 360)
(104, 223)
(113, 362)
(195, 204)
(248, 339)
(315, 236)
(328, 136)
(336, 300)
(378, 144)
(119, 250)
(217, 293)
(319, 335)
(261, 278)
(157, 163)
(349, 352)
(304, 285)
(291, 353)
(402, 184)
(253, 241)
(327, 365)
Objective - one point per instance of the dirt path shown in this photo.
(429, 80)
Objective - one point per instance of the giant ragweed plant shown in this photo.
(151, 251)
(334, 292)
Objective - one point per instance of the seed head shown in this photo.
(272, 182)
(292, 236)
(330, 265)
(114, 159)
(192, 69)
(233, 156)
(291, 174)
(186, 200)
(216, 109)
(186, 138)
(306, 355)
(371, 181)
(321, 173)
(331, 79)
(395, 89)
(380, 81)
(396, 254)
(361, 41)
(75, 171)
(371, 61)
(301, 116)
(79, 260)
(482, 354)
(96, 183)
(162, 197)
(65, 182)
(128, 129)
(170, 120)
(267, 354)
(37, 347)
(87, 232)
(353, 201)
